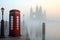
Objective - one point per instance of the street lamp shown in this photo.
(2, 23)
(2, 10)
(43, 31)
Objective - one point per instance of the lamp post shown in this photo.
(43, 31)
(2, 23)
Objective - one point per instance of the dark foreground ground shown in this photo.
(15, 38)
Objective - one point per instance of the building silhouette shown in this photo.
(14, 23)
(36, 22)
(39, 14)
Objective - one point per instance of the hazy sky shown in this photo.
(52, 7)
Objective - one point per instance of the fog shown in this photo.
(34, 30)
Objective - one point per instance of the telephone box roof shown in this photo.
(14, 10)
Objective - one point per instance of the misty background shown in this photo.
(52, 8)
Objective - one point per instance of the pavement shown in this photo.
(14, 38)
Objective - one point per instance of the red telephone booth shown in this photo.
(14, 23)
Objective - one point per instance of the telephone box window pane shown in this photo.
(17, 22)
(11, 22)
